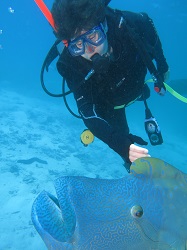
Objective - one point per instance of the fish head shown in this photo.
(163, 217)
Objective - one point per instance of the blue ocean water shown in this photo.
(33, 123)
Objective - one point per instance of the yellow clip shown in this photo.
(87, 137)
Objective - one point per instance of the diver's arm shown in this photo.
(97, 124)
(114, 139)
(151, 36)
(160, 59)
(102, 130)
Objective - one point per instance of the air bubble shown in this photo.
(11, 10)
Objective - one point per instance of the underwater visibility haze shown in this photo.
(41, 147)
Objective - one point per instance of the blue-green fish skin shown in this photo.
(143, 210)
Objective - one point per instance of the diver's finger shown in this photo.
(136, 152)
(135, 148)
(135, 157)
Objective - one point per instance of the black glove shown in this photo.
(137, 139)
(159, 86)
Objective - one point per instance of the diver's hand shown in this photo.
(160, 87)
(165, 78)
(159, 79)
(136, 152)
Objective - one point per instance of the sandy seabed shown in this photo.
(39, 143)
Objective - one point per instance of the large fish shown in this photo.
(146, 209)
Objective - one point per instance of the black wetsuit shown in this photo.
(121, 84)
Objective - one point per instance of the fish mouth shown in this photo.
(164, 245)
(158, 239)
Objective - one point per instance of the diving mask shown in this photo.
(96, 36)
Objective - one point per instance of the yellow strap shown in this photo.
(119, 107)
(172, 91)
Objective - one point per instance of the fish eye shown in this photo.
(137, 211)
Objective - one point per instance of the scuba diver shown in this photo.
(104, 62)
